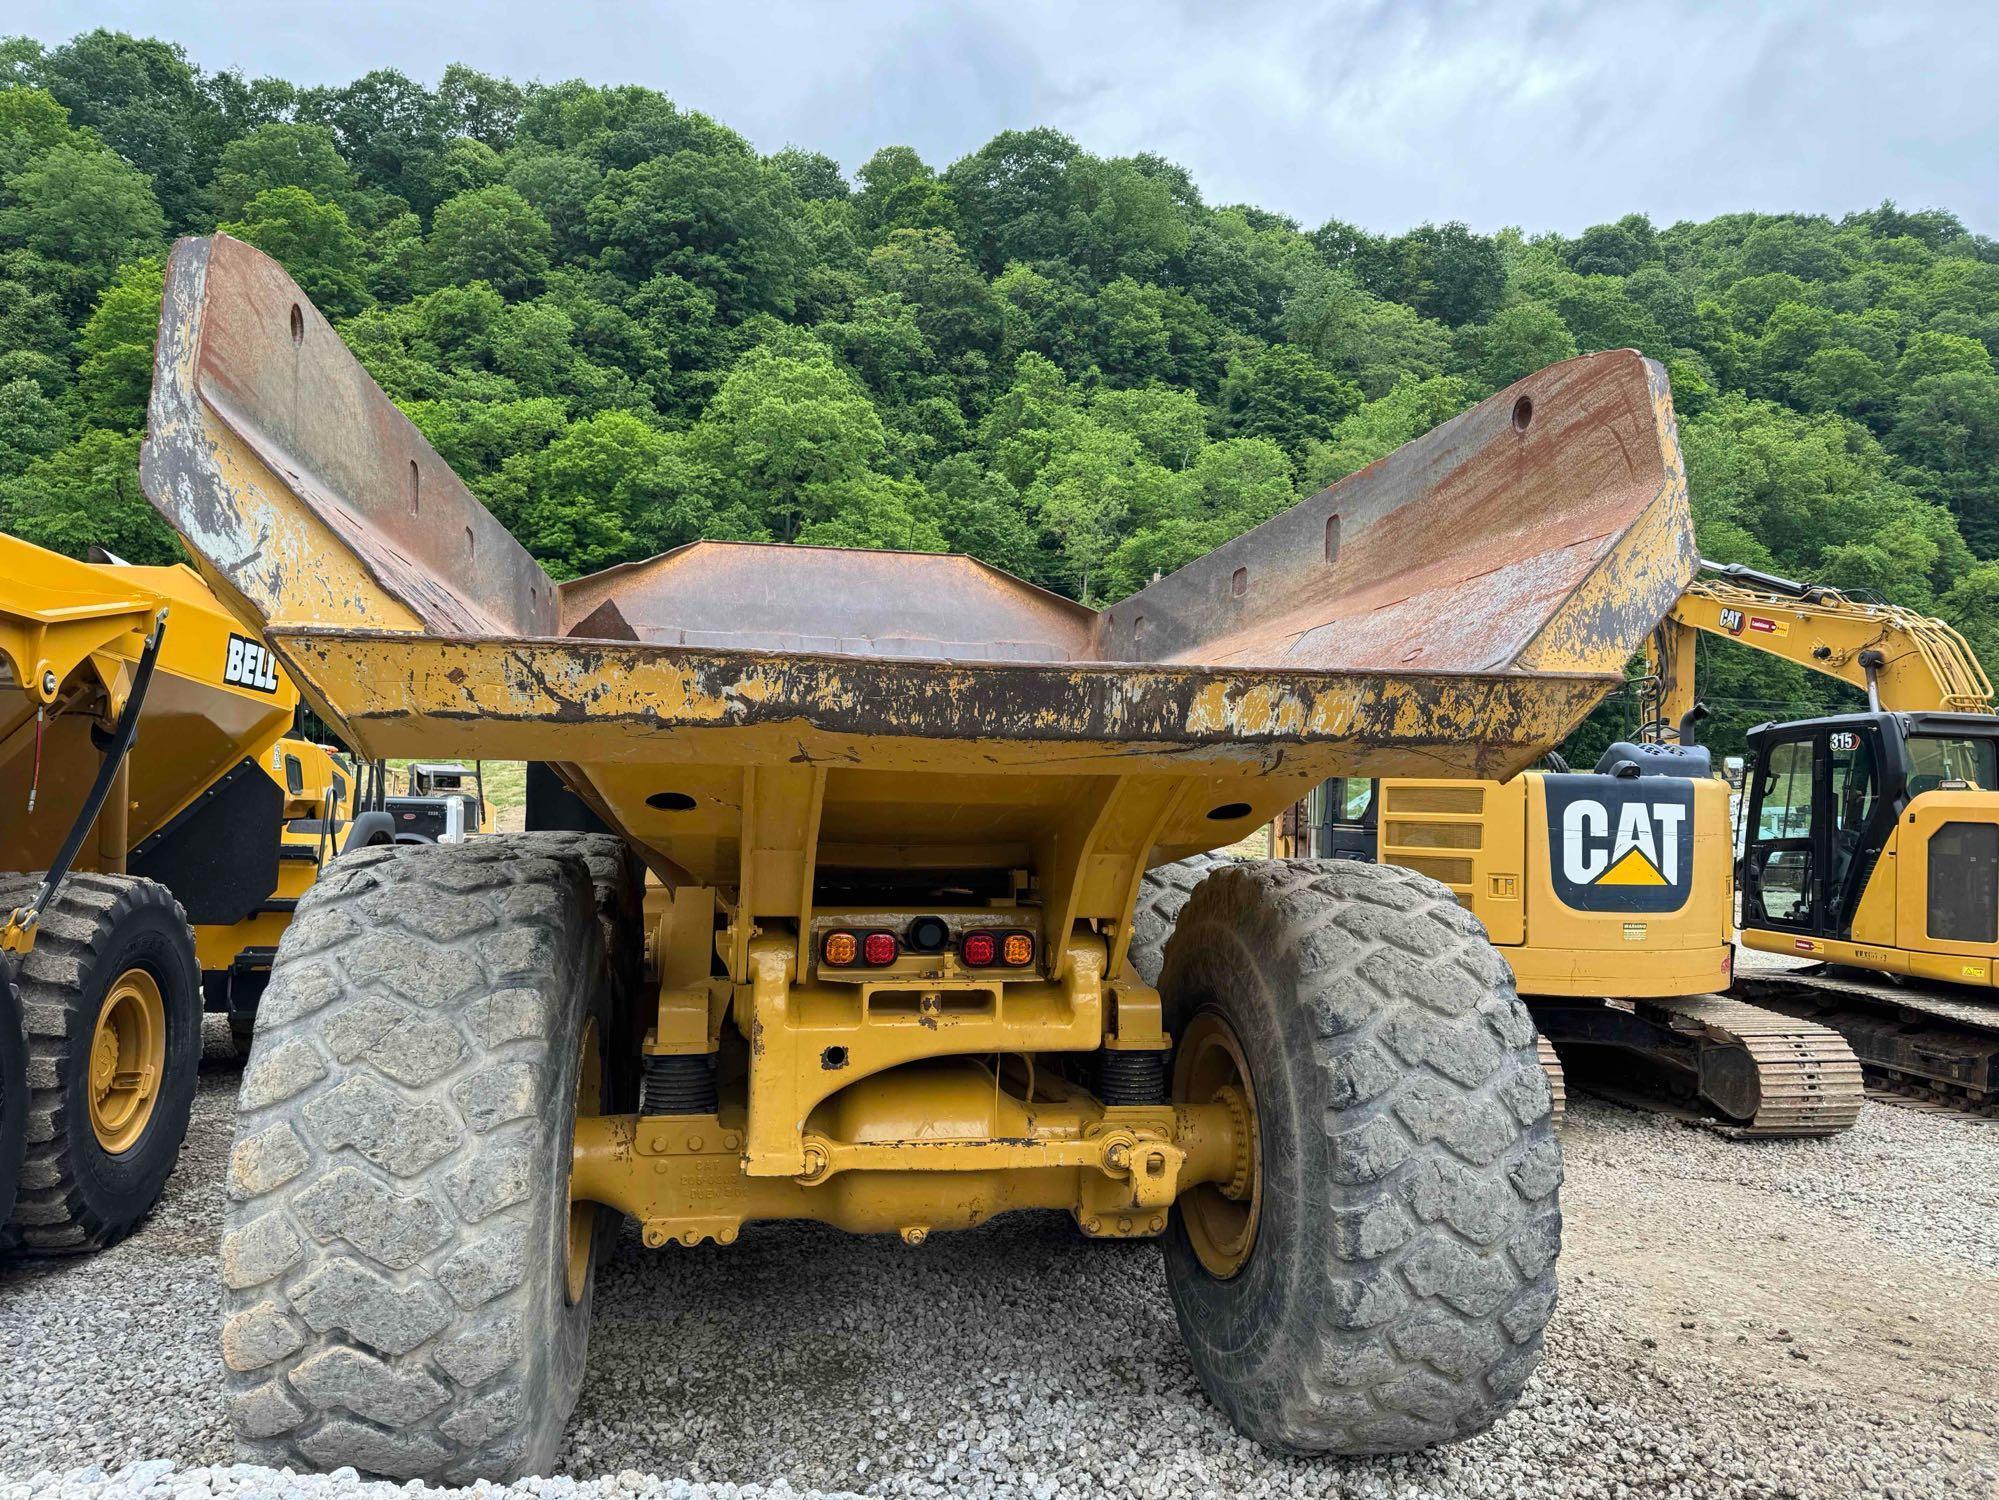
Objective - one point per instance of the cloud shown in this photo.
(1550, 115)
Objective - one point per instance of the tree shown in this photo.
(480, 107)
(951, 302)
(87, 494)
(31, 122)
(1933, 353)
(1283, 394)
(1839, 378)
(1375, 343)
(491, 234)
(1973, 606)
(593, 490)
(279, 155)
(311, 240)
(146, 102)
(1382, 426)
(390, 129)
(786, 436)
(982, 516)
(1519, 340)
(1013, 196)
(900, 192)
(1168, 424)
(815, 177)
(85, 209)
(1446, 272)
(31, 426)
(115, 374)
(1948, 424)
(560, 185)
(1241, 482)
(1126, 221)
(1611, 249)
(1028, 421)
(1801, 486)
(628, 328)
(1086, 493)
(874, 511)
(727, 223)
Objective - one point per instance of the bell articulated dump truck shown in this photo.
(147, 780)
(903, 805)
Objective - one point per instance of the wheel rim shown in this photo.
(1221, 1217)
(583, 1214)
(128, 1053)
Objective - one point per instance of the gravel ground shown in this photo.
(1756, 1320)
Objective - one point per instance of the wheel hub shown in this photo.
(1220, 1218)
(128, 1052)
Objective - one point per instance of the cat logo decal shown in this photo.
(1621, 844)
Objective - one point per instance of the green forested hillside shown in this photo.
(627, 329)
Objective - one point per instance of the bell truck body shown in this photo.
(898, 808)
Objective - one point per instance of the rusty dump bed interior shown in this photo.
(1454, 609)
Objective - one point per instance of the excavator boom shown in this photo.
(1903, 661)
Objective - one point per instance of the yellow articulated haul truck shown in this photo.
(903, 805)
(146, 781)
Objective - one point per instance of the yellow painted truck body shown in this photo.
(903, 804)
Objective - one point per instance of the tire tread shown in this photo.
(1426, 1314)
(382, 1304)
(52, 1213)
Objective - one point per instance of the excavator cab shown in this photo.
(1342, 819)
(1867, 841)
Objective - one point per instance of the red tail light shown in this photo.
(980, 950)
(878, 949)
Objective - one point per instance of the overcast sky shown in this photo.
(1550, 116)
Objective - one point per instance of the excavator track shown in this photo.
(1934, 1044)
(1808, 1080)
(1743, 1071)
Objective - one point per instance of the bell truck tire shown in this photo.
(1160, 896)
(110, 948)
(1402, 1263)
(395, 1250)
(13, 1091)
(617, 883)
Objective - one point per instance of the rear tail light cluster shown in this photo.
(1004, 948)
(842, 949)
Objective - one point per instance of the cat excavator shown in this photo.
(1610, 891)
(1869, 848)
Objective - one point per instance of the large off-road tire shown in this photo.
(13, 1091)
(617, 880)
(1380, 1280)
(1160, 896)
(111, 1011)
(398, 1294)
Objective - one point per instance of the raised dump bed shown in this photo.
(902, 804)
